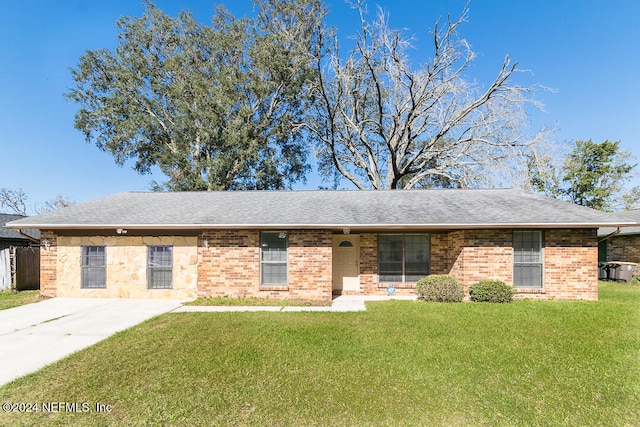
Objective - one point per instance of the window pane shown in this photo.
(416, 257)
(527, 258)
(390, 268)
(527, 246)
(93, 267)
(403, 257)
(160, 267)
(390, 257)
(527, 275)
(397, 278)
(276, 255)
(274, 246)
(160, 278)
(273, 255)
(160, 256)
(390, 248)
(274, 274)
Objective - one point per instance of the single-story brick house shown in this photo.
(315, 244)
(621, 244)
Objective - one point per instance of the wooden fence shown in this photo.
(5, 268)
(27, 265)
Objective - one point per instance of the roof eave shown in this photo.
(319, 226)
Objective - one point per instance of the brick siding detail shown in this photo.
(310, 265)
(48, 264)
(624, 248)
(484, 254)
(369, 265)
(571, 264)
(229, 265)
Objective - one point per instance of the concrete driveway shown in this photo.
(35, 335)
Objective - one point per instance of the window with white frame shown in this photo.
(527, 259)
(273, 258)
(403, 258)
(94, 267)
(159, 267)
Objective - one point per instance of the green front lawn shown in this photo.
(10, 299)
(398, 363)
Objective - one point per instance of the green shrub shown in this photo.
(440, 288)
(491, 291)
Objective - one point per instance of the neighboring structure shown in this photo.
(312, 244)
(10, 241)
(623, 244)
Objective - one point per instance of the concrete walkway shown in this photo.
(35, 335)
(339, 304)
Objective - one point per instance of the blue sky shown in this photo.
(587, 50)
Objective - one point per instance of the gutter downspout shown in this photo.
(33, 239)
(610, 235)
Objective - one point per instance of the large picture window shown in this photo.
(94, 267)
(527, 259)
(159, 267)
(273, 258)
(403, 258)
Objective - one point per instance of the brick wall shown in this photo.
(230, 265)
(571, 264)
(369, 265)
(570, 269)
(481, 255)
(624, 248)
(310, 264)
(48, 264)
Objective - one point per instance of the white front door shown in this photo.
(346, 262)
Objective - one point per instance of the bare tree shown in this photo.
(16, 200)
(54, 204)
(381, 123)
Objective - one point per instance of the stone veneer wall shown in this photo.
(126, 258)
(229, 265)
(624, 248)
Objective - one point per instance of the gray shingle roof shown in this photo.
(9, 234)
(633, 215)
(322, 209)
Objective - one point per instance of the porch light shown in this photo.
(205, 243)
(46, 244)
